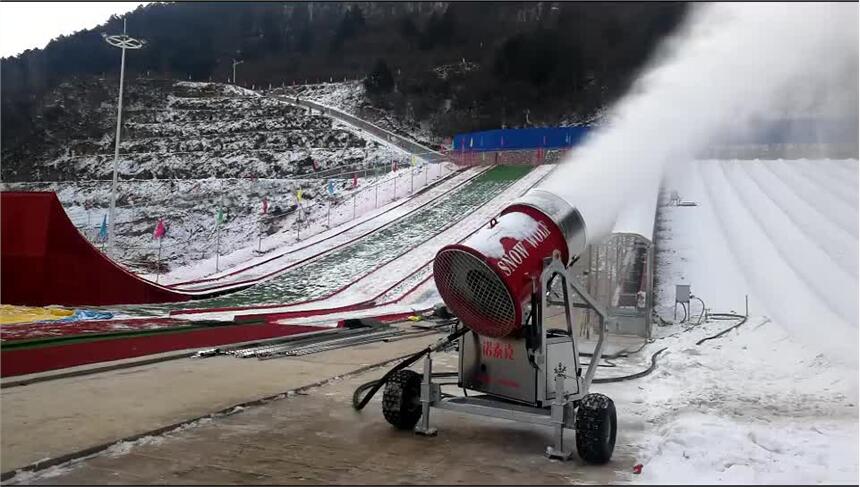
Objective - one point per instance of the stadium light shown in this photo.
(122, 41)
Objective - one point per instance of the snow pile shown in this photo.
(751, 407)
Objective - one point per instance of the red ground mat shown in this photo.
(53, 329)
(51, 357)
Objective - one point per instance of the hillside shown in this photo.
(453, 66)
(188, 149)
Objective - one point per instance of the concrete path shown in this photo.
(317, 437)
(58, 417)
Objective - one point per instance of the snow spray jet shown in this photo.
(730, 64)
(728, 67)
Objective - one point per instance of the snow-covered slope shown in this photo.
(783, 232)
(349, 96)
(189, 148)
(776, 399)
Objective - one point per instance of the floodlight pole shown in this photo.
(235, 63)
(123, 42)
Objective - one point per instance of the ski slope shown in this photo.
(774, 400)
(390, 279)
(275, 262)
(782, 232)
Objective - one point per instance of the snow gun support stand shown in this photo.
(532, 377)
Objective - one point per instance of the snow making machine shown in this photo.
(520, 363)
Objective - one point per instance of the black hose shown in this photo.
(619, 354)
(377, 384)
(637, 375)
(742, 318)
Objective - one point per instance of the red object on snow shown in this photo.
(45, 260)
(159, 229)
(265, 205)
(354, 180)
(637, 469)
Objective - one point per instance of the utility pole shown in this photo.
(235, 63)
(123, 42)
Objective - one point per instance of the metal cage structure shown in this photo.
(618, 273)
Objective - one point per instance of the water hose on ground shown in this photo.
(359, 401)
(653, 366)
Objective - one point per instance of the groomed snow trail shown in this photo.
(774, 400)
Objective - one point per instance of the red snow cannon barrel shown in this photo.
(488, 279)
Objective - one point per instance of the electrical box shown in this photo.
(682, 293)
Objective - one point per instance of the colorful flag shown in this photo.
(412, 160)
(354, 181)
(316, 167)
(393, 166)
(265, 205)
(219, 217)
(330, 187)
(159, 229)
(299, 195)
(103, 231)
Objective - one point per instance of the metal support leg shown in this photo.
(423, 427)
(557, 411)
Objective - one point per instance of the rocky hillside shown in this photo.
(180, 130)
(188, 149)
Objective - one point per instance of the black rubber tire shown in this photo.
(401, 400)
(596, 427)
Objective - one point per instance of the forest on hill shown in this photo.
(454, 65)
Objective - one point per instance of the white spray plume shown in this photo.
(728, 66)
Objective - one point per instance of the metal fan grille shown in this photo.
(474, 293)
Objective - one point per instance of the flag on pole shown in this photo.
(330, 187)
(219, 216)
(299, 195)
(103, 231)
(159, 229)
(412, 160)
(393, 166)
(265, 205)
(316, 167)
(354, 181)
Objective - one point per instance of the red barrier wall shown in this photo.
(45, 260)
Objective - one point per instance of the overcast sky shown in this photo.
(29, 25)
